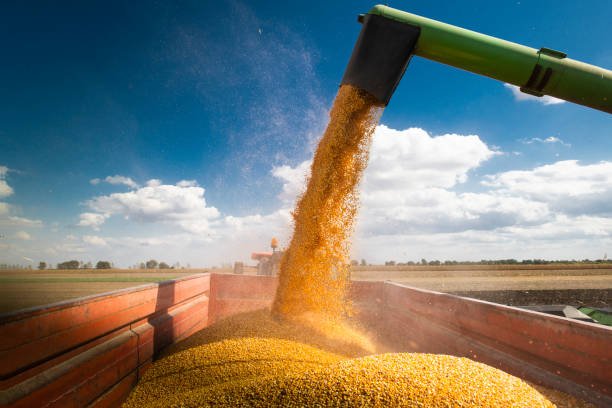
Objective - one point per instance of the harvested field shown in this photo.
(479, 283)
(600, 298)
(515, 285)
(20, 289)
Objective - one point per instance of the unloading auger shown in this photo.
(390, 37)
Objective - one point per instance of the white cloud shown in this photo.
(412, 159)
(556, 211)
(407, 181)
(274, 223)
(521, 96)
(116, 180)
(563, 228)
(93, 220)
(420, 198)
(565, 178)
(94, 240)
(22, 235)
(567, 186)
(293, 179)
(4, 208)
(548, 140)
(407, 184)
(557, 239)
(68, 249)
(414, 204)
(434, 210)
(13, 221)
(182, 205)
(180, 224)
(553, 139)
(155, 183)
(121, 180)
(5, 189)
(187, 183)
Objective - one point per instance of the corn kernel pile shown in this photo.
(333, 336)
(257, 371)
(253, 359)
(193, 377)
(386, 380)
(313, 271)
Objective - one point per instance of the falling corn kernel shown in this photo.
(314, 269)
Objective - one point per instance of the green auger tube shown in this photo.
(389, 37)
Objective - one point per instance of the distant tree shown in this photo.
(354, 262)
(87, 265)
(151, 264)
(423, 261)
(142, 265)
(103, 265)
(363, 262)
(69, 265)
(42, 265)
(390, 263)
(163, 265)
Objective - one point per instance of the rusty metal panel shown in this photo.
(244, 286)
(565, 354)
(92, 350)
(117, 394)
(62, 382)
(36, 337)
(231, 294)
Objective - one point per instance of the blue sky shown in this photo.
(181, 131)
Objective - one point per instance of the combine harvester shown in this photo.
(91, 351)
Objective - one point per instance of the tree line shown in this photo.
(74, 264)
